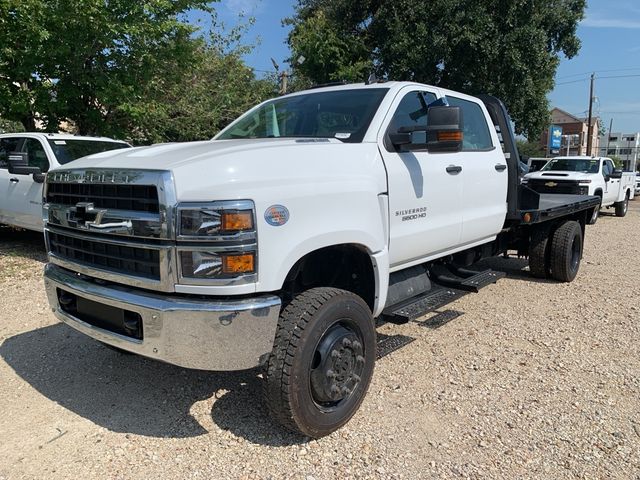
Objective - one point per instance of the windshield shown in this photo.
(341, 114)
(68, 150)
(585, 165)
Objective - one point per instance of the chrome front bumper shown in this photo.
(205, 334)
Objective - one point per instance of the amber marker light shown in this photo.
(450, 136)
(236, 221)
(526, 217)
(241, 263)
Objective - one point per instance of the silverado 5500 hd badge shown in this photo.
(412, 213)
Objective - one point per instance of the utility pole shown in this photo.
(609, 137)
(284, 82)
(589, 127)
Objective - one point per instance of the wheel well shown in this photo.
(598, 193)
(348, 267)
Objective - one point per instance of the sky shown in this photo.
(610, 35)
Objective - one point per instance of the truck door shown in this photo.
(611, 185)
(8, 181)
(25, 195)
(484, 173)
(425, 189)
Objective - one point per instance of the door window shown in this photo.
(7, 145)
(607, 169)
(474, 125)
(411, 112)
(36, 153)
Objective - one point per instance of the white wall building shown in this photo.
(625, 146)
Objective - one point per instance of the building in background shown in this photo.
(573, 135)
(623, 146)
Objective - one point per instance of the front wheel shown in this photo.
(322, 361)
(594, 215)
(623, 206)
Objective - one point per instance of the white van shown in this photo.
(32, 155)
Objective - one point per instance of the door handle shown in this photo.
(501, 167)
(14, 180)
(454, 169)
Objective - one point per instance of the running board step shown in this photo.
(482, 279)
(421, 305)
(467, 280)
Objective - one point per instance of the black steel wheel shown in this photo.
(322, 361)
(566, 251)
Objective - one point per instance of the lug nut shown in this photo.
(331, 374)
(346, 343)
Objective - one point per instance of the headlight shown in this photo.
(212, 265)
(217, 243)
(203, 221)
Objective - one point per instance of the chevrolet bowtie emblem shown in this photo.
(551, 184)
(86, 215)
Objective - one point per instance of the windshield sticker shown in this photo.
(59, 142)
(343, 136)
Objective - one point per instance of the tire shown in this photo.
(539, 262)
(594, 216)
(566, 251)
(623, 206)
(322, 361)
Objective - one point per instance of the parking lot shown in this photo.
(527, 379)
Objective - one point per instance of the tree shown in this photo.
(506, 48)
(212, 93)
(88, 61)
(529, 149)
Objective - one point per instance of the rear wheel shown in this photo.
(322, 361)
(539, 252)
(566, 251)
(623, 206)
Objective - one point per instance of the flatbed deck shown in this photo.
(552, 205)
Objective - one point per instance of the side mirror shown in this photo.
(444, 130)
(19, 164)
(617, 173)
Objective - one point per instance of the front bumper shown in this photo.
(204, 334)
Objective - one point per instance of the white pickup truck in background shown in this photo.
(25, 158)
(586, 176)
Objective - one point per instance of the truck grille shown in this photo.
(557, 186)
(141, 198)
(126, 259)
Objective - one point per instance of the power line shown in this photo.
(598, 78)
(599, 71)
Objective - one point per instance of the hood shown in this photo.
(242, 169)
(559, 175)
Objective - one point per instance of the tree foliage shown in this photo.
(507, 48)
(134, 70)
(530, 149)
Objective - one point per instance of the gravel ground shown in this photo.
(527, 379)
